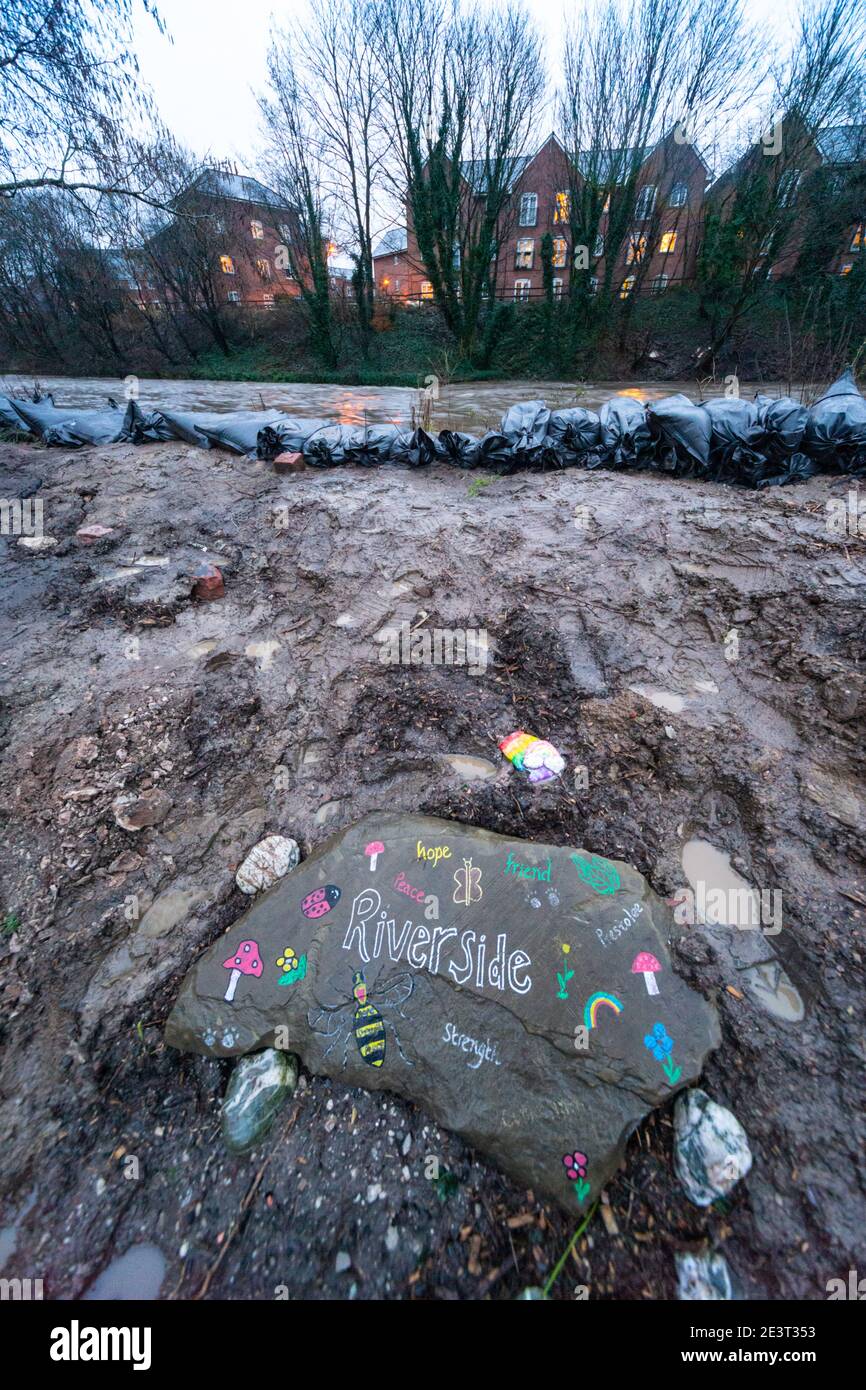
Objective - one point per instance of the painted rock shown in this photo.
(711, 1150)
(258, 1087)
(320, 901)
(272, 858)
(525, 1029)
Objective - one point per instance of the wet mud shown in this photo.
(270, 711)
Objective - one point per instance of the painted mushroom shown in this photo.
(246, 961)
(374, 849)
(646, 964)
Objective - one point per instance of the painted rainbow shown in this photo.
(596, 1002)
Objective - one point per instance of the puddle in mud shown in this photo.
(662, 699)
(262, 653)
(722, 896)
(137, 1274)
(770, 987)
(471, 768)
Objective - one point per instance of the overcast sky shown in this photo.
(204, 80)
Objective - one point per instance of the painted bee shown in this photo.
(365, 1023)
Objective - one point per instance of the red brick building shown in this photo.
(246, 230)
(660, 250)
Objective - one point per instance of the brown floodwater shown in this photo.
(472, 405)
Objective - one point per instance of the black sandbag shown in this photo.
(525, 427)
(575, 434)
(187, 425)
(836, 430)
(795, 468)
(287, 436)
(682, 432)
(10, 418)
(457, 448)
(66, 427)
(784, 422)
(412, 449)
(736, 440)
(150, 427)
(239, 431)
(371, 445)
(326, 448)
(625, 440)
(496, 455)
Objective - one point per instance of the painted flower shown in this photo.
(575, 1165)
(288, 960)
(658, 1043)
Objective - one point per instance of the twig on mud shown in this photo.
(557, 1270)
(854, 897)
(242, 1211)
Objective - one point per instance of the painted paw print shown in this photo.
(208, 1037)
(534, 899)
(229, 1037)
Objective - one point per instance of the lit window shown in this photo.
(679, 195)
(524, 253)
(426, 289)
(559, 250)
(557, 288)
(528, 209)
(561, 207)
(846, 267)
(598, 248)
(857, 238)
(646, 202)
(385, 282)
(263, 266)
(227, 265)
(788, 185)
(668, 243)
(636, 250)
(257, 231)
(521, 289)
(660, 284)
(626, 287)
(233, 297)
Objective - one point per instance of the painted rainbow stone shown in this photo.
(530, 1031)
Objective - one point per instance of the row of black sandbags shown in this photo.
(759, 443)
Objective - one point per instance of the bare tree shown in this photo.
(641, 85)
(759, 209)
(464, 87)
(295, 161)
(73, 113)
(338, 83)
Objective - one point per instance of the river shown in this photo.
(472, 406)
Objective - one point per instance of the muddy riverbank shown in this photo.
(609, 602)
